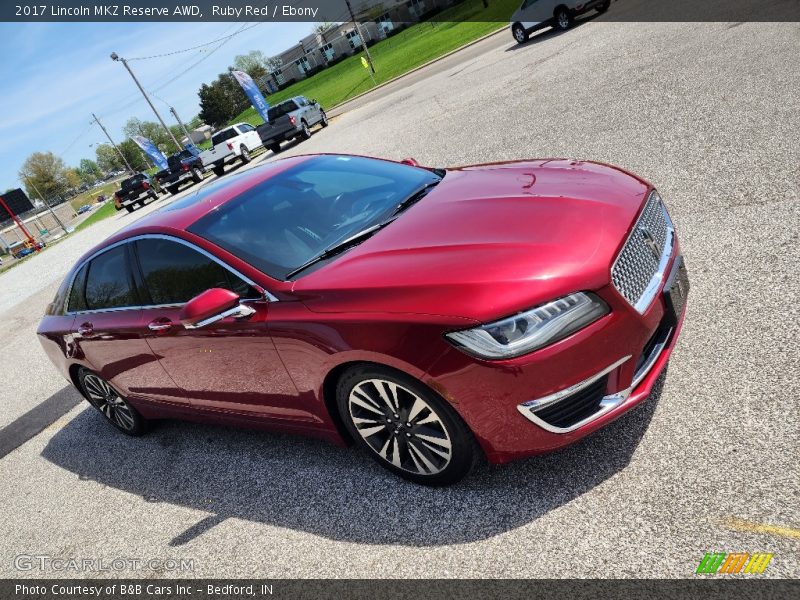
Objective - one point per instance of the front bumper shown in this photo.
(513, 406)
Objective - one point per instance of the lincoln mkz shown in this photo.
(431, 316)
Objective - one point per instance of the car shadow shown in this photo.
(550, 33)
(339, 493)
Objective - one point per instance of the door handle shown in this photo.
(160, 325)
(86, 330)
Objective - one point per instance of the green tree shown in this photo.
(45, 172)
(254, 63)
(214, 107)
(89, 171)
(108, 159)
(154, 132)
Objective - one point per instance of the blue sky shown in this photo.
(54, 75)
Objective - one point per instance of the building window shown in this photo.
(416, 7)
(278, 75)
(384, 23)
(328, 52)
(353, 38)
(303, 65)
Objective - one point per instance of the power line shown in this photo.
(196, 47)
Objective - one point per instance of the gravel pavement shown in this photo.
(710, 114)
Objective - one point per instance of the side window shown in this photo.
(108, 281)
(174, 273)
(245, 128)
(77, 300)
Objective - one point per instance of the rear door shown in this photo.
(107, 330)
(229, 366)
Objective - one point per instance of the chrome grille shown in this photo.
(639, 267)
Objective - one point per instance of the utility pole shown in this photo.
(47, 204)
(115, 57)
(360, 35)
(122, 156)
(177, 118)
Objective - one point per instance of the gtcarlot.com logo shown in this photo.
(719, 563)
(43, 562)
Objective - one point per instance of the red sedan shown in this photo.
(429, 315)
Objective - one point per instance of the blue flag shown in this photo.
(253, 93)
(152, 151)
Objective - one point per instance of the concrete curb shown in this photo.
(339, 109)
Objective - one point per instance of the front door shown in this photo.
(230, 365)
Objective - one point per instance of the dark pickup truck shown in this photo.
(291, 119)
(183, 166)
(134, 191)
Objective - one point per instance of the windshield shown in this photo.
(281, 109)
(294, 216)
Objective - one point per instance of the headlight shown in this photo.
(532, 329)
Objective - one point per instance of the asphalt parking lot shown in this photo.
(710, 114)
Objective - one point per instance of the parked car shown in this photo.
(291, 119)
(84, 209)
(182, 167)
(236, 141)
(533, 15)
(428, 315)
(134, 192)
(25, 248)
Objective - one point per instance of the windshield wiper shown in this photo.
(415, 196)
(339, 247)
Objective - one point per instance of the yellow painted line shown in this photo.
(742, 525)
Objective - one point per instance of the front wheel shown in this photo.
(604, 7)
(563, 19)
(405, 427)
(519, 33)
(111, 404)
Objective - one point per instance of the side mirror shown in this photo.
(410, 161)
(211, 306)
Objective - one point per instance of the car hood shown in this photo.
(488, 241)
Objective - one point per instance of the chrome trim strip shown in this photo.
(267, 295)
(607, 404)
(656, 281)
(240, 311)
(539, 403)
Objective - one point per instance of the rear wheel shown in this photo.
(245, 155)
(197, 176)
(405, 426)
(563, 18)
(323, 119)
(111, 404)
(173, 189)
(276, 147)
(519, 33)
(219, 171)
(130, 208)
(153, 195)
(305, 132)
(604, 7)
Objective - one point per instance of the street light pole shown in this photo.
(122, 156)
(361, 36)
(115, 57)
(177, 118)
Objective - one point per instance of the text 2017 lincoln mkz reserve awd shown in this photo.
(429, 315)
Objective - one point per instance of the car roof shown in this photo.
(181, 214)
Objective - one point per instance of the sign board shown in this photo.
(17, 201)
(364, 63)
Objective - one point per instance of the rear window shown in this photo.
(223, 136)
(281, 109)
(132, 182)
(109, 283)
(77, 301)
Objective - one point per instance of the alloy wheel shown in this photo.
(400, 426)
(109, 402)
(563, 19)
(519, 34)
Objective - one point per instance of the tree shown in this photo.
(154, 132)
(134, 155)
(214, 108)
(108, 159)
(88, 171)
(254, 63)
(45, 172)
(72, 178)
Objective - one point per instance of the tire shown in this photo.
(197, 176)
(219, 171)
(604, 7)
(245, 155)
(130, 208)
(519, 33)
(153, 195)
(562, 19)
(173, 189)
(305, 132)
(436, 449)
(276, 147)
(111, 404)
(323, 119)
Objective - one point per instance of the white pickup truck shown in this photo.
(236, 141)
